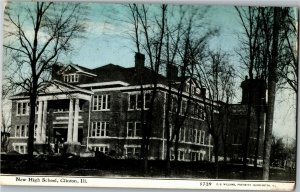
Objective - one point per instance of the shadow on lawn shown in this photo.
(104, 166)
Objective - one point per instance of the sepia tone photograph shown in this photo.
(162, 92)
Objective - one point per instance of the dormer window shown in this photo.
(71, 78)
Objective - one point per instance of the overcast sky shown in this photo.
(106, 41)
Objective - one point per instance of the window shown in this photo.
(132, 102)
(132, 151)
(172, 154)
(180, 155)
(192, 106)
(202, 137)
(188, 88)
(71, 78)
(147, 100)
(170, 131)
(101, 102)
(21, 131)
(100, 148)
(136, 102)
(134, 129)
(183, 107)
(20, 147)
(76, 77)
(61, 110)
(23, 108)
(191, 136)
(195, 112)
(201, 158)
(198, 136)
(193, 89)
(182, 134)
(201, 113)
(194, 136)
(130, 129)
(175, 105)
(194, 156)
(138, 129)
(139, 101)
(100, 129)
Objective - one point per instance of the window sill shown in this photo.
(146, 109)
(65, 111)
(99, 137)
(18, 137)
(134, 137)
(101, 110)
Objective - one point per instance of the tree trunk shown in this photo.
(167, 132)
(225, 152)
(271, 94)
(216, 153)
(257, 135)
(148, 127)
(246, 143)
(168, 163)
(176, 146)
(33, 97)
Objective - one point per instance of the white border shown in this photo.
(162, 183)
(281, 186)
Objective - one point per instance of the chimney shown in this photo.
(172, 71)
(139, 63)
(55, 69)
(203, 92)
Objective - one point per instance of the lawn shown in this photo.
(106, 167)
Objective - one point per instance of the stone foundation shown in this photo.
(41, 148)
(72, 148)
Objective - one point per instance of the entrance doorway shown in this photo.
(60, 136)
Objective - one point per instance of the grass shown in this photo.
(105, 167)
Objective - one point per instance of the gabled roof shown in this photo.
(62, 87)
(127, 76)
(113, 73)
(55, 87)
(79, 69)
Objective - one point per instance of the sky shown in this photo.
(106, 41)
(115, 43)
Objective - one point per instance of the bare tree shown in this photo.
(187, 47)
(5, 119)
(212, 75)
(185, 42)
(272, 79)
(36, 35)
(250, 53)
(288, 66)
(273, 32)
(169, 35)
(228, 87)
(149, 30)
